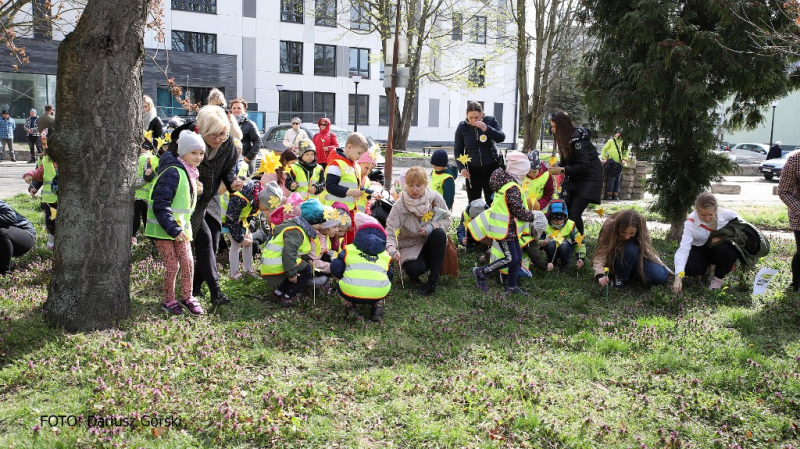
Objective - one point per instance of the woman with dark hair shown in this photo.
(17, 236)
(580, 164)
(251, 138)
(477, 137)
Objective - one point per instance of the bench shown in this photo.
(431, 149)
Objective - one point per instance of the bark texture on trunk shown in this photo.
(95, 143)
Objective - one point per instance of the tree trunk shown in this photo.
(98, 132)
(675, 230)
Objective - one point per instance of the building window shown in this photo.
(359, 17)
(363, 110)
(457, 19)
(292, 11)
(194, 42)
(42, 24)
(383, 111)
(359, 62)
(477, 72)
(325, 106)
(206, 6)
(21, 92)
(291, 57)
(167, 105)
(478, 30)
(326, 13)
(325, 60)
(383, 70)
(290, 104)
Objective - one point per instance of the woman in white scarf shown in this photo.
(416, 230)
(150, 120)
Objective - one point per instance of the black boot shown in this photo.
(426, 289)
(220, 299)
(377, 314)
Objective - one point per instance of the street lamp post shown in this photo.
(356, 79)
(772, 127)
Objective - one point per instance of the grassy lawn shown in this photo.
(768, 218)
(409, 154)
(563, 367)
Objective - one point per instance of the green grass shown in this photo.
(768, 218)
(412, 155)
(562, 367)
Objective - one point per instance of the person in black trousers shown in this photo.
(580, 164)
(477, 137)
(17, 236)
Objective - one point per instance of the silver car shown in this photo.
(273, 138)
(750, 152)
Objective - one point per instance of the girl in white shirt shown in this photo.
(694, 256)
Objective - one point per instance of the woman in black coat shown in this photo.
(17, 236)
(251, 138)
(150, 120)
(476, 137)
(580, 163)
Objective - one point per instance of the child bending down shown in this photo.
(561, 238)
(172, 202)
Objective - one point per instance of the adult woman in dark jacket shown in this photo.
(476, 137)
(150, 120)
(17, 236)
(217, 167)
(251, 138)
(583, 180)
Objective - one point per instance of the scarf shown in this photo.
(419, 206)
(191, 171)
(148, 117)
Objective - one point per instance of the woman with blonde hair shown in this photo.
(150, 120)
(217, 98)
(417, 230)
(217, 167)
(625, 248)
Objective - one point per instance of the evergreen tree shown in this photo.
(660, 70)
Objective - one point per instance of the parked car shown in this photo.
(773, 167)
(753, 151)
(273, 138)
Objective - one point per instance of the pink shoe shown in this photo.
(193, 306)
(172, 307)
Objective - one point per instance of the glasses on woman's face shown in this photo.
(221, 136)
(324, 125)
(295, 124)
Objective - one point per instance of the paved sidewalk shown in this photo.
(11, 182)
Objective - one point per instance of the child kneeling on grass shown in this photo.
(364, 270)
(172, 202)
(243, 208)
(499, 222)
(560, 238)
(281, 265)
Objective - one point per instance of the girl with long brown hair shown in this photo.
(625, 247)
(583, 180)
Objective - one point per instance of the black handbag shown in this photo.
(380, 210)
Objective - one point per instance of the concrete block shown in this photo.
(726, 189)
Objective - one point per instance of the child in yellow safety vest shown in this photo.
(538, 185)
(169, 212)
(443, 177)
(306, 176)
(240, 218)
(364, 272)
(342, 177)
(561, 238)
(366, 163)
(322, 253)
(145, 174)
(281, 265)
(499, 222)
(45, 176)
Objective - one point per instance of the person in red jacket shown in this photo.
(325, 142)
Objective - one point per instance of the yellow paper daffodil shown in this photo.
(600, 211)
(270, 162)
(427, 217)
(168, 137)
(160, 142)
(148, 135)
(681, 274)
(464, 159)
(397, 232)
(552, 160)
(605, 269)
(579, 239)
(558, 239)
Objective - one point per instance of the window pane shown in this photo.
(457, 18)
(292, 11)
(477, 72)
(363, 109)
(194, 42)
(326, 13)
(21, 92)
(324, 106)
(383, 111)
(325, 60)
(207, 6)
(290, 104)
(359, 18)
(359, 62)
(479, 30)
(291, 57)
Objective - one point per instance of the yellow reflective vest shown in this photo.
(437, 181)
(146, 160)
(349, 179)
(271, 255)
(493, 222)
(49, 174)
(533, 189)
(304, 182)
(247, 210)
(361, 203)
(182, 207)
(364, 279)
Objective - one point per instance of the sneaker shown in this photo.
(516, 290)
(193, 306)
(172, 307)
(715, 284)
(480, 278)
(377, 314)
(220, 300)
(615, 198)
(235, 276)
(426, 289)
(51, 241)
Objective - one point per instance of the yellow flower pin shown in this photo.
(482, 138)
(600, 211)
(274, 202)
(160, 142)
(464, 159)
(552, 160)
(331, 214)
(579, 239)
(288, 208)
(427, 217)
